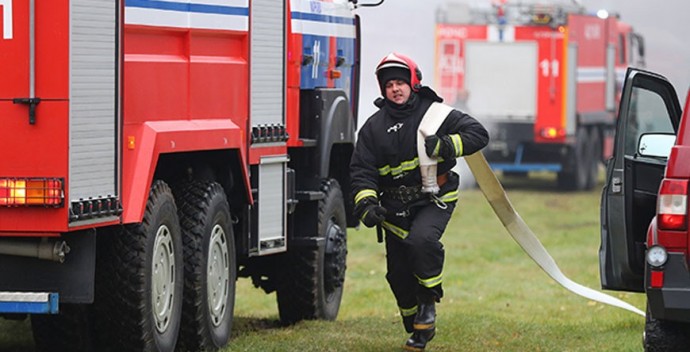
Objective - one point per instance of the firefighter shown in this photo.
(387, 189)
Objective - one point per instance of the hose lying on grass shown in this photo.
(521, 233)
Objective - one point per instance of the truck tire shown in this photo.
(210, 266)
(68, 331)
(574, 178)
(311, 279)
(139, 281)
(663, 335)
(594, 158)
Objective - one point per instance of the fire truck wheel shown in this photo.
(662, 335)
(67, 331)
(574, 178)
(594, 157)
(209, 261)
(311, 279)
(139, 286)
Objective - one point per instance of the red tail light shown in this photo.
(552, 132)
(31, 192)
(672, 205)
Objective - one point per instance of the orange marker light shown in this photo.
(31, 191)
(333, 74)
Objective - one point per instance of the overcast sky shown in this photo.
(407, 26)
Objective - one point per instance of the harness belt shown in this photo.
(404, 194)
(408, 194)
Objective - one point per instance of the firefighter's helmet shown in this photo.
(394, 65)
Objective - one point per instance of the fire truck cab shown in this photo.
(156, 150)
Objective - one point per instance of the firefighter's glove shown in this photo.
(373, 215)
(439, 147)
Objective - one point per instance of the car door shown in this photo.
(649, 104)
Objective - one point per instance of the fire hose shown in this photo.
(511, 220)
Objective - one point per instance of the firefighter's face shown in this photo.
(397, 91)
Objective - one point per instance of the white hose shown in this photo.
(497, 198)
(432, 120)
(523, 235)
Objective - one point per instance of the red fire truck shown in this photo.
(155, 150)
(545, 79)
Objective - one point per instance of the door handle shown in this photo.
(616, 184)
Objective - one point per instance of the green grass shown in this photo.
(496, 298)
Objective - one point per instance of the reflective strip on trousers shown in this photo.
(430, 282)
(395, 230)
(406, 312)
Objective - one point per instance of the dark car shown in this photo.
(644, 208)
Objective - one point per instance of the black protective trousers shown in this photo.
(415, 263)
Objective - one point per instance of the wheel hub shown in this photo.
(218, 275)
(163, 278)
(336, 254)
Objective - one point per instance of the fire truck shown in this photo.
(544, 78)
(153, 151)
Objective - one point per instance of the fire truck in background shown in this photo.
(544, 77)
(154, 151)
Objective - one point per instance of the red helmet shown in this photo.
(399, 61)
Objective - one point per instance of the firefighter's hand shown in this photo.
(373, 215)
(436, 146)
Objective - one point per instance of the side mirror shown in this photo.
(656, 145)
(367, 4)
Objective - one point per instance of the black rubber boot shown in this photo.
(424, 325)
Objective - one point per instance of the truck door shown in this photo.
(267, 113)
(58, 105)
(649, 105)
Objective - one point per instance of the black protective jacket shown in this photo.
(385, 156)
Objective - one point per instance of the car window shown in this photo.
(646, 114)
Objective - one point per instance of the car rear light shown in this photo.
(656, 279)
(46, 192)
(672, 205)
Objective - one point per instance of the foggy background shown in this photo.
(407, 26)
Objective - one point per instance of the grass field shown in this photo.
(496, 298)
